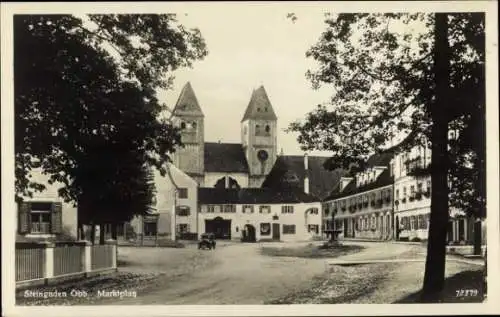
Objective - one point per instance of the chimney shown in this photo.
(344, 181)
(306, 174)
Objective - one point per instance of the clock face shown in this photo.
(262, 155)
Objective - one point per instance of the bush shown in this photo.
(416, 239)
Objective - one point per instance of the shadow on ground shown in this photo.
(463, 287)
(312, 251)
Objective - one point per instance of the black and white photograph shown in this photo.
(196, 157)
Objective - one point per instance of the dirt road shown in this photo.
(234, 273)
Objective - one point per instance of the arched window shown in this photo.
(268, 129)
(193, 125)
(257, 129)
(183, 125)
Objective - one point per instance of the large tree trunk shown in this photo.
(477, 232)
(92, 233)
(436, 247)
(114, 231)
(102, 234)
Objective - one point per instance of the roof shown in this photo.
(259, 106)
(380, 159)
(252, 196)
(225, 157)
(289, 172)
(384, 179)
(187, 104)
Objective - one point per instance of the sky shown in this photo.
(249, 48)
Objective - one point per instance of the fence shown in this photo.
(42, 263)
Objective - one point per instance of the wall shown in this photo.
(165, 193)
(240, 219)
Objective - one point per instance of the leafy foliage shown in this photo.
(86, 106)
(380, 68)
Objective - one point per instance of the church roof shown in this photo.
(289, 172)
(252, 196)
(187, 103)
(259, 106)
(225, 158)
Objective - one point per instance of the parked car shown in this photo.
(207, 241)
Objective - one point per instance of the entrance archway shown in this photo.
(220, 227)
(248, 234)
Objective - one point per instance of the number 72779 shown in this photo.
(466, 292)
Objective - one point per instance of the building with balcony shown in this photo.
(412, 201)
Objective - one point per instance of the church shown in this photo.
(244, 191)
(234, 165)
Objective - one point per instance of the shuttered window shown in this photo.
(40, 217)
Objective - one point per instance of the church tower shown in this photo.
(189, 117)
(259, 136)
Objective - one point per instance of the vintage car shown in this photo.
(207, 241)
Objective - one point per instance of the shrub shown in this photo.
(416, 239)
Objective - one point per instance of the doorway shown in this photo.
(221, 228)
(276, 231)
(249, 234)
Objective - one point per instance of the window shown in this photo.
(265, 209)
(287, 209)
(288, 229)
(419, 187)
(150, 229)
(257, 129)
(312, 211)
(412, 223)
(265, 229)
(40, 217)
(313, 229)
(183, 193)
(268, 129)
(182, 228)
(404, 192)
(397, 194)
(211, 208)
(183, 125)
(229, 208)
(183, 211)
(247, 209)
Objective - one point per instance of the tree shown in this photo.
(390, 79)
(86, 111)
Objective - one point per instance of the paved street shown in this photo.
(237, 273)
